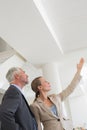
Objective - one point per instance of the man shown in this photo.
(15, 112)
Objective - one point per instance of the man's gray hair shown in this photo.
(11, 72)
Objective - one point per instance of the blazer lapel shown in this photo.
(27, 105)
(57, 104)
(45, 108)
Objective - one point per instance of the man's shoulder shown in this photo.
(12, 91)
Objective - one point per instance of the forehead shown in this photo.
(42, 79)
(21, 70)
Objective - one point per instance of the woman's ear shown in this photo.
(39, 87)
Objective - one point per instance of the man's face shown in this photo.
(23, 77)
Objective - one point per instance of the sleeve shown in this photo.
(10, 104)
(66, 92)
(35, 111)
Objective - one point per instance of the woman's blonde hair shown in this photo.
(34, 85)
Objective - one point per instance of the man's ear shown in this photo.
(16, 76)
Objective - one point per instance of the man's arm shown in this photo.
(8, 108)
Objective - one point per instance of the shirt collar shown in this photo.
(17, 87)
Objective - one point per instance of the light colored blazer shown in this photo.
(44, 115)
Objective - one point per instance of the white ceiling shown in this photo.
(44, 30)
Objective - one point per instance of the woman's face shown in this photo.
(45, 85)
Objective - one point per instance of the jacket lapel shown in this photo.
(45, 108)
(27, 105)
(56, 103)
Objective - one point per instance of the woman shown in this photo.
(48, 109)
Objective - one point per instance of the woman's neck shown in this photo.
(46, 100)
(43, 96)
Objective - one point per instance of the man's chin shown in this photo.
(27, 82)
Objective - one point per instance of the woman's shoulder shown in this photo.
(34, 104)
(52, 95)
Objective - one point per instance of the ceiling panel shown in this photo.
(68, 19)
(23, 28)
(37, 37)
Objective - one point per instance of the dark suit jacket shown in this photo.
(15, 113)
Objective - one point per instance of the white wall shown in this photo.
(78, 107)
